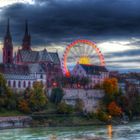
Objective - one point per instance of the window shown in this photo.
(41, 76)
(24, 84)
(14, 84)
(19, 84)
(29, 84)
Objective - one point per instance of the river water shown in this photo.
(121, 132)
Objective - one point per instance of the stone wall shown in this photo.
(90, 98)
(15, 122)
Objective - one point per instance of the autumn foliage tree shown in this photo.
(34, 99)
(114, 109)
(24, 106)
(110, 86)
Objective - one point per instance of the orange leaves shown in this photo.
(110, 85)
(23, 106)
(114, 109)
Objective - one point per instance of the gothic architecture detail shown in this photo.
(26, 44)
(8, 47)
(27, 65)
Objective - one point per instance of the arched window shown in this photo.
(41, 76)
(24, 84)
(29, 84)
(9, 83)
(14, 84)
(19, 84)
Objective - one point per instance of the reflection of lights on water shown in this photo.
(109, 128)
(53, 137)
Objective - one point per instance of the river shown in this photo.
(121, 132)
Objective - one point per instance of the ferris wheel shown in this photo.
(82, 52)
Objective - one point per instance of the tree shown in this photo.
(3, 86)
(136, 106)
(37, 99)
(114, 109)
(56, 95)
(79, 105)
(7, 97)
(110, 86)
(24, 106)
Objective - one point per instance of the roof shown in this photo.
(19, 77)
(14, 69)
(93, 69)
(39, 56)
(55, 57)
(44, 56)
(36, 68)
(28, 55)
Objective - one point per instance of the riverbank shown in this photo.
(15, 122)
(47, 121)
(52, 120)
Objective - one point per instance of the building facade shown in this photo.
(96, 74)
(28, 66)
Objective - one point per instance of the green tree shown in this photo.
(8, 99)
(3, 86)
(56, 95)
(37, 99)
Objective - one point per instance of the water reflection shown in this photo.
(109, 128)
(119, 132)
(53, 137)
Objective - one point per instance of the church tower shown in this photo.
(8, 47)
(26, 45)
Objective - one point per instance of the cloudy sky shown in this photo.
(113, 24)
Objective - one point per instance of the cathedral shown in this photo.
(27, 66)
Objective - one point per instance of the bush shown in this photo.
(63, 108)
(102, 116)
(23, 106)
(56, 95)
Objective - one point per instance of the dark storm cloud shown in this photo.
(55, 20)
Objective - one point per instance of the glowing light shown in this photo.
(84, 60)
(110, 131)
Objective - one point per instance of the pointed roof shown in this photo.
(26, 28)
(8, 34)
(92, 69)
(26, 39)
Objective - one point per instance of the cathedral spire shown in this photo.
(26, 39)
(8, 29)
(8, 46)
(26, 27)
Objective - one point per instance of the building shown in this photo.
(27, 65)
(96, 74)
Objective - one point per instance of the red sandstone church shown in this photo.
(28, 66)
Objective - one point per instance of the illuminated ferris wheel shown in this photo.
(82, 52)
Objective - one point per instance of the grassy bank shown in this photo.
(10, 113)
(63, 120)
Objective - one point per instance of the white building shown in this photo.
(96, 74)
(19, 77)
